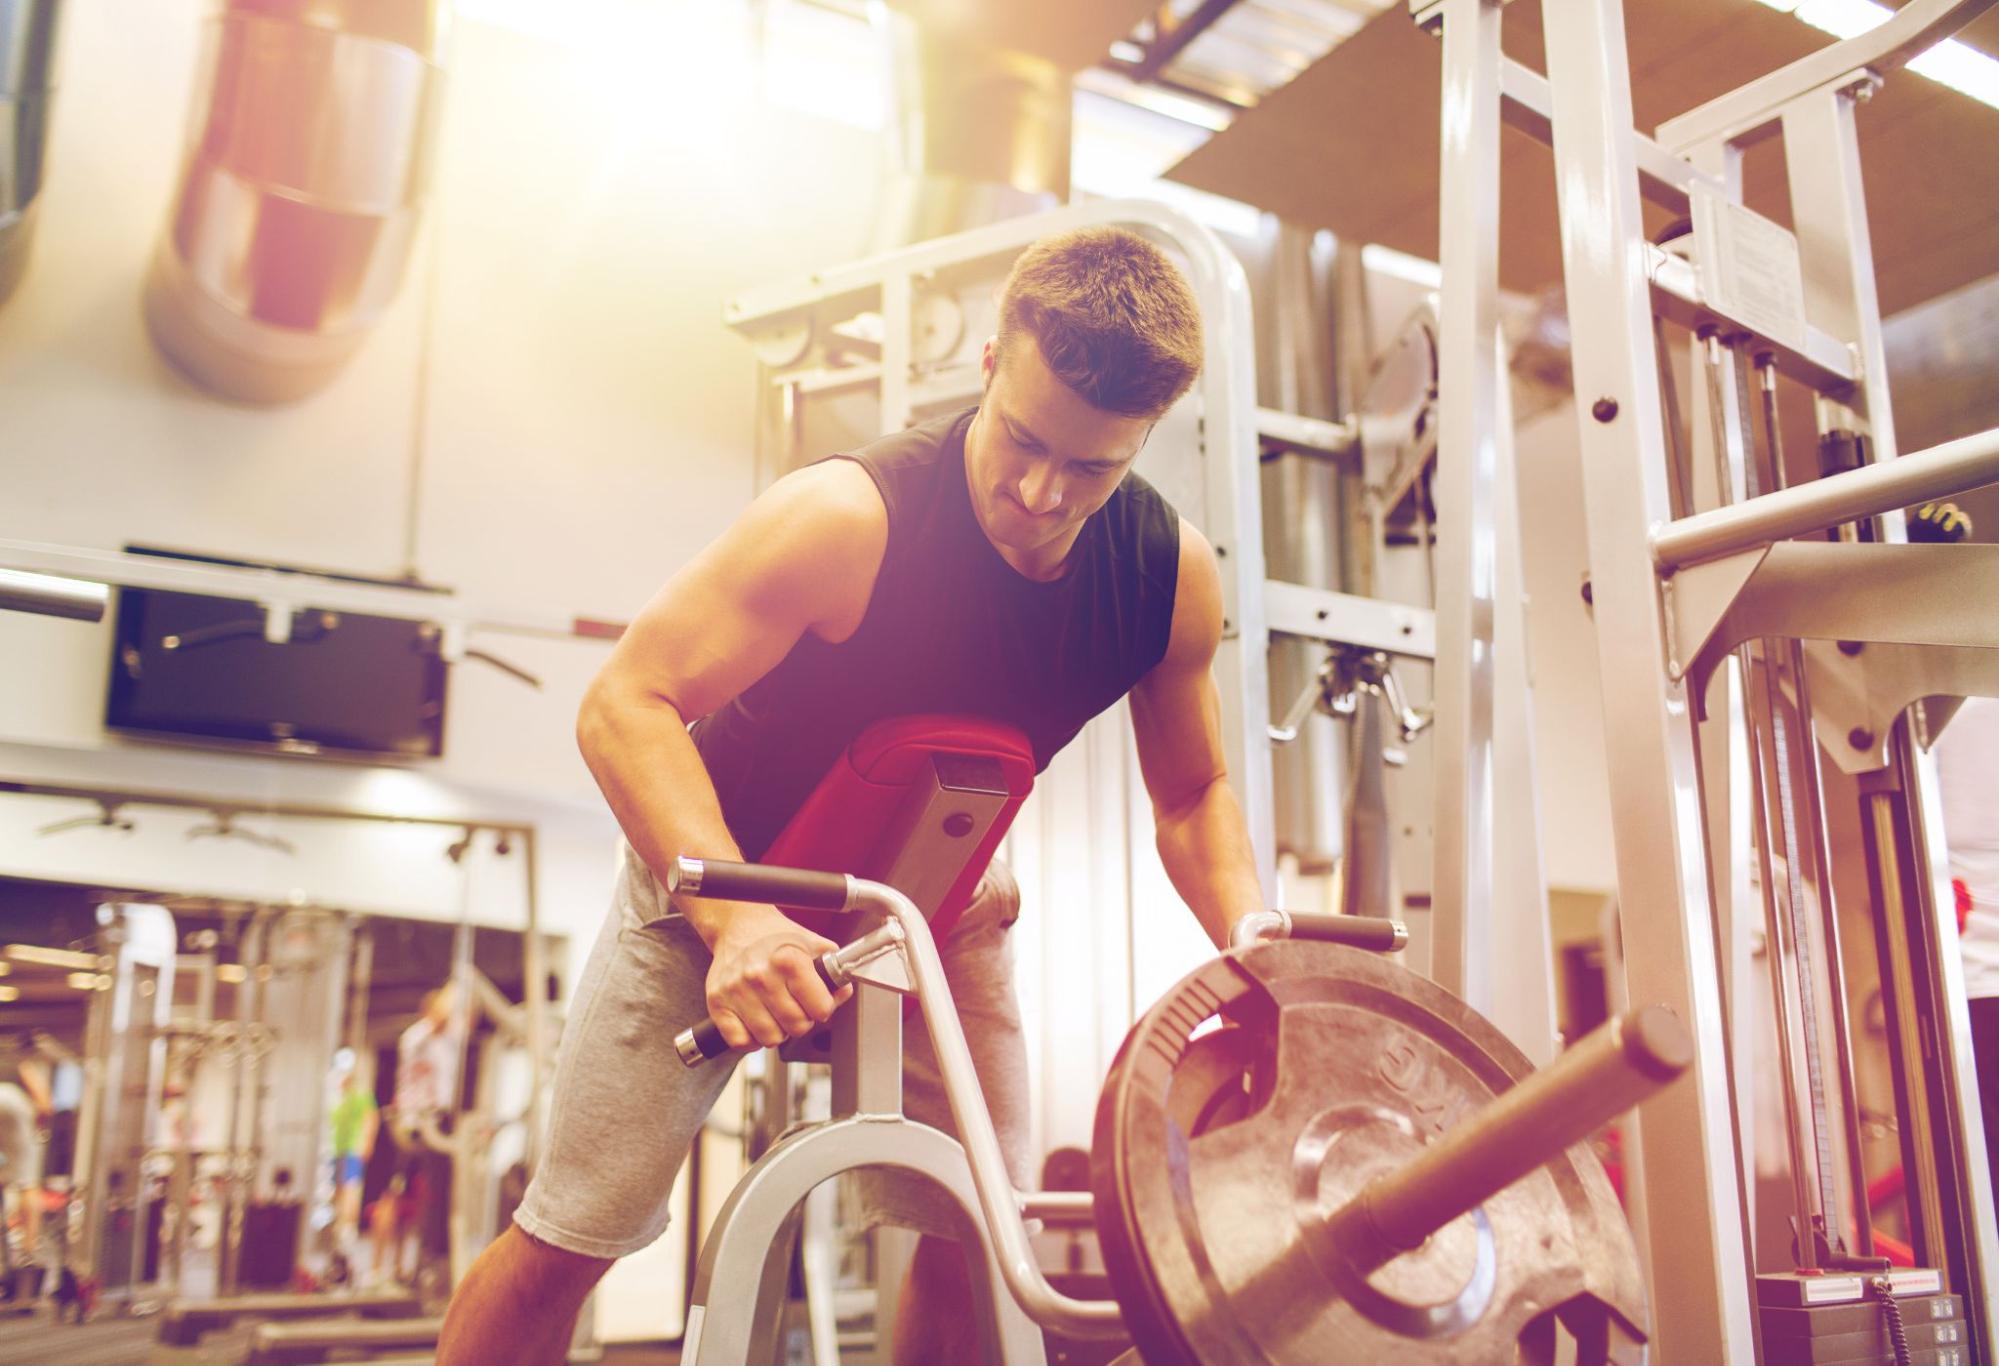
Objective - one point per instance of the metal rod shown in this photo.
(998, 1200)
(49, 596)
(1939, 472)
(534, 1001)
(202, 802)
(1774, 940)
(1618, 1065)
(249, 992)
(1912, 30)
(1799, 922)
(1884, 831)
(1856, 1171)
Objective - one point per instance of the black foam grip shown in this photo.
(1359, 931)
(708, 1038)
(800, 887)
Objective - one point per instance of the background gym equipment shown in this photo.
(203, 1121)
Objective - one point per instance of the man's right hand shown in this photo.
(764, 984)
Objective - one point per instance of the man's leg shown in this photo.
(934, 1320)
(518, 1303)
(31, 1221)
(623, 1114)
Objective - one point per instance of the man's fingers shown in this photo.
(801, 974)
(775, 995)
(756, 1017)
(733, 1032)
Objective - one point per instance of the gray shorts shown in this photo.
(625, 1111)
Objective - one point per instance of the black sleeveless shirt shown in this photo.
(951, 627)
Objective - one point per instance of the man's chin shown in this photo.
(1025, 539)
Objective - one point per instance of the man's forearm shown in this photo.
(644, 761)
(1205, 848)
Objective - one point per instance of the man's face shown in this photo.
(1040, 459)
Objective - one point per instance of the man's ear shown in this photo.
(988, 361)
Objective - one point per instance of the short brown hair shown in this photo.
(1113, 317)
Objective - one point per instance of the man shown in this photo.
(26, 1105)
(354, 1121)
(427, 1056)
(1003, 562)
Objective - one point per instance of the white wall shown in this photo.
(588, 417)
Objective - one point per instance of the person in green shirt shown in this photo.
(354, 1121)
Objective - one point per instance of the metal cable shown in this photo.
(1891, 1314)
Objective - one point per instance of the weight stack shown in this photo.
(270, 1243)
(1803, 1326)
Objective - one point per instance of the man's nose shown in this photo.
(1040, 489)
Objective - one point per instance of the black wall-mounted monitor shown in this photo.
(199, 669)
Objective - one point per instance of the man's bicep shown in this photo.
(709, 633)
(1176, 720)
(1176, 710)
(803, 555)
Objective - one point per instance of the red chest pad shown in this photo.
(843, 826)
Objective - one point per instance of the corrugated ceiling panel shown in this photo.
(1352, 144)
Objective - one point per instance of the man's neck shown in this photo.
(1043, 564)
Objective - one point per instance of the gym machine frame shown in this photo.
(1681, 574)
(1481, 1155)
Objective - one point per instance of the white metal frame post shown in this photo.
(1699, 1256)
(1468, 389)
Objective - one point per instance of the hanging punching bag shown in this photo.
(306, 175)
(27, 85)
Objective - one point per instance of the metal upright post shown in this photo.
(534, 1001)
(1468, 381)
(1822, 155)
(1699, 1262)
(1519, 944)
(896, 304)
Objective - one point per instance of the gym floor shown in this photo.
(130, 1342)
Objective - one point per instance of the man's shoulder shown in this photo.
(1142, 520)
